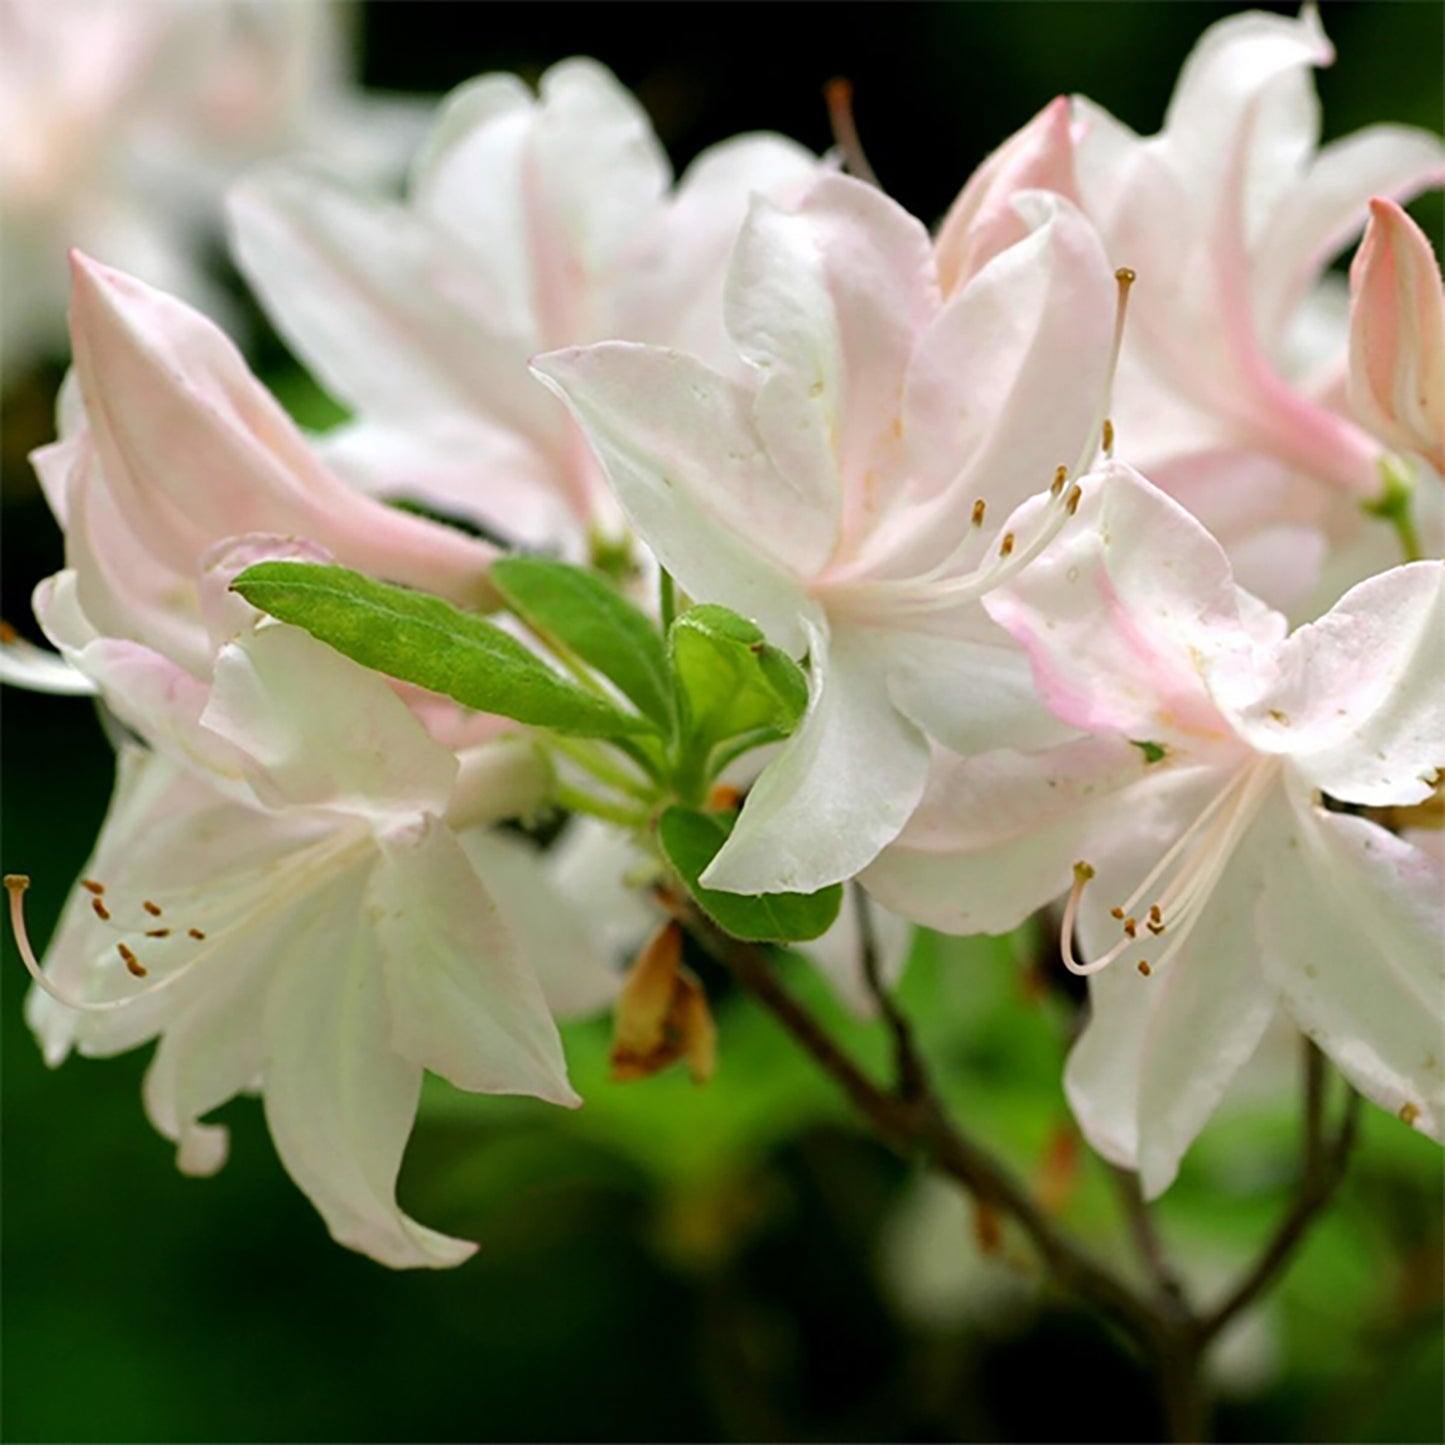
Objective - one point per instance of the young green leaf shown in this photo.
(691, 840)
(733, 680)
(424, 640)
(590, 618)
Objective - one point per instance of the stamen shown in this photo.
(838, 92)
(1196, 860)
(15, 886)
(1409, 1113)
(1007, 545)
(1108, 437)
(158, 933)
(1061, 476)
(1102, 432)
(1075, 497)
(101, 911)
(154, 909)
(91, 886)
(195, 933)
(979, 508)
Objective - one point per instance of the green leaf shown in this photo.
(691, 840)
(590, 618)
(421, 639)
(732, 678)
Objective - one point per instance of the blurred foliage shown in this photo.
(736, 1261)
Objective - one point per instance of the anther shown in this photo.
(1108, 437)
(1116, 913)
(154, 909)
(133, 965)
(1007, 545)
(1131, 926)
(979, 508)
(1083, 872)
(195, 933)
(1409, 1113)
(101, 911)
(158, 933)
(1061, 476)
(1126, 276)
(1143, 967)
(8, 634)
(1075, 497)
(91, 886)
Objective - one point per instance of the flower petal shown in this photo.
(1357, 700)
(462, 1000)
(1119, 613)
(1397, 335)
(339, 1102)
(997, 836)
(679, 447)
(1159, 1052)
(194, 449)
(322, 731)
(1350, 927)
(840, 788)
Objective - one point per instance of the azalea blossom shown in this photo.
(297, 831)
(1231, 386)
(851, 493)
(123, 120)
(1397, 336)
(533, 222)
(1207, 812)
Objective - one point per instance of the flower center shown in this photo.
(1180, 884)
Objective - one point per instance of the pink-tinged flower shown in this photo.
(122, 121)
(533, 222)
(313, 927)
(837, 494)
(1215, 879)
(984, 220)
(302, 890)
(1231, 382)
(1397, 336)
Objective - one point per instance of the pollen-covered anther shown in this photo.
(979, 508)
(1117, 913)
(100, 910)
(1061, 478)
(154, 909)
(1409, 1113)
(1131, 927)
(1155, 921)
(91, 886)
(1143, 967)
(133, 965)
(1006, 545)
(195, 933)
(1074, 498)
(158, 933)
(1108, 437)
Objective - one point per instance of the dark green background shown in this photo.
(673, 1264)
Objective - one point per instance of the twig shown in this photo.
(1147, 1243)
(912, 1084)
(918, 1125)
(1324, 1167)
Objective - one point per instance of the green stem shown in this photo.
(593, 762)
(576, 801)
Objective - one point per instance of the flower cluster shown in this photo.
(1073, 555)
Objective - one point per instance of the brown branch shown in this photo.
(912, 1080)
(1324, 1161)
(1148, 1244)
(918, 1125)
